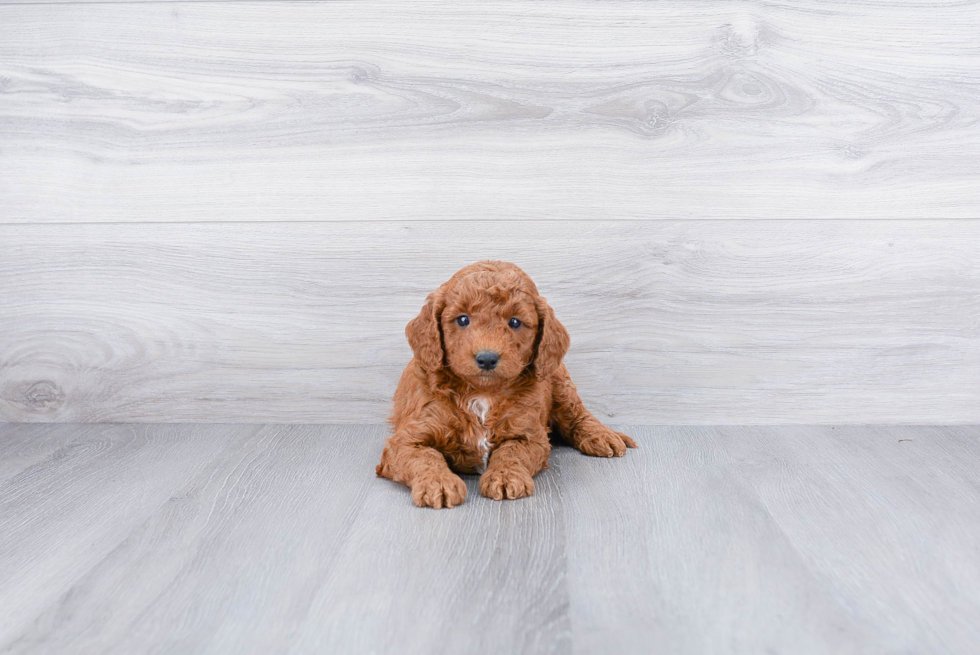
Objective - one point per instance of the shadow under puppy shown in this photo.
(484, 389)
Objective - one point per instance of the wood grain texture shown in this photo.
(54, 532)
(801, 539)
(489, 578)
(675, 322)
(230, 563)
(261, 539)
(282, 111)
(23, 446)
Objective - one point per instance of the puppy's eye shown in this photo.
(463, 320)
(515, 323)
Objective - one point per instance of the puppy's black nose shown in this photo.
(487, 360)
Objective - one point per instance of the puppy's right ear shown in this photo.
(425, 335)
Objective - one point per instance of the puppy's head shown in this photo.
(488, 325)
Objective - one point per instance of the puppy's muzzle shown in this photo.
(487, 360)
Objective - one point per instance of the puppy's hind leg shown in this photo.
(578, 426)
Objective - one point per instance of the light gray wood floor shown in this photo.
(269, 538)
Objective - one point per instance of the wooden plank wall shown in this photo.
(745, 212)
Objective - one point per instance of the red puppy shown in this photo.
(485, 387)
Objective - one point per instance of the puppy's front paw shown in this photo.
(500, 483)
(438, 491)
(603, 442)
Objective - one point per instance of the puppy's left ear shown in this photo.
(552, 341)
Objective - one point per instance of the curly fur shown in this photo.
(450, 415)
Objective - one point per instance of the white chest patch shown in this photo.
(479, 406)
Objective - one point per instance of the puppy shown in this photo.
(485, 388)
